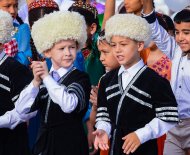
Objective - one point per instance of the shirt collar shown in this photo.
(2, 54)
(61, 71)
(133, 69)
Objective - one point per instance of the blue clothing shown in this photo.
(22, 37)
(79, 62)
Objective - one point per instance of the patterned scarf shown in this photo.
(11, 48)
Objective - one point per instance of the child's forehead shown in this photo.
(121, 38)
(8, 2)
(182, 26)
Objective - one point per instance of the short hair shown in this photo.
(57, 26)
(127, 25)
(182, 16)
(165, 21)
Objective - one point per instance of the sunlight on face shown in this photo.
(126, 50)
(62, 54)
(182, 35)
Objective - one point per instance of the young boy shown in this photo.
(133, 108)
(13, 78)
(109, 61)
(63, 98)
(177, 49)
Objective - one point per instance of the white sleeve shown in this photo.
(165, 42)
(103, 125)
(67, 101)
(26, 99)
(153, 129)
(11, 119)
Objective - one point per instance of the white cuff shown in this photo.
(104, 126)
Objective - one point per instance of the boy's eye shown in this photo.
(186, 32)
(112, 45)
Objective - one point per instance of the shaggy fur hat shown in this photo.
(127, 25)
(6, 27)
(58, 26)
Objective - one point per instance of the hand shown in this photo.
(45, 70)
(101, 140)
(93, 95)
(131, 143)
(37, 72)
(91, 138)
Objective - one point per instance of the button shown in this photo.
(179, 86)
(182, 68)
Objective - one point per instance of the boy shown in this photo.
(177, 49)
(133, 109)
(62, 99)
(109, 61)
(13, 78)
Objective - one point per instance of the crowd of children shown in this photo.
(71, 86)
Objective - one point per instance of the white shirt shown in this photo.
(154, 128)
(67, 101)
(180, 74)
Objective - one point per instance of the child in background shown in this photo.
(177, 49)
(130, 108)
(22, 34)
(110, 63)
(13, 78)
(63, 98)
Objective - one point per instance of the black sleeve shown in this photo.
(164, 100)
(21, 76)
(81, 88)
(102, 110)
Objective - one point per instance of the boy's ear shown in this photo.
(47, 54)
(140, 46)
(93, 28)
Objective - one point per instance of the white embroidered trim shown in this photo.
(112, 87)
(139, 101)
(140, 91)
(103, 119)
(169, 118)
(14, 98)
(102, 108)
(5, 57)
(112, 95)
(42, 86)
(166, 113)
(4, 77)
(165, 108)
(4, 87)
(44, 96)
(102, 114)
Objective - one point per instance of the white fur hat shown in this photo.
(57, 26)
(6, 27)
(127, 25)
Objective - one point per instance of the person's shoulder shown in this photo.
(154, 77)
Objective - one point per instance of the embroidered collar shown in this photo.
(61, 71)
(133, 69)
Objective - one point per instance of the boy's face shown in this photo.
(62, 54)
(106, 56)
(126, 50)
(133, 6)
(182, 35)
(10, 6)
